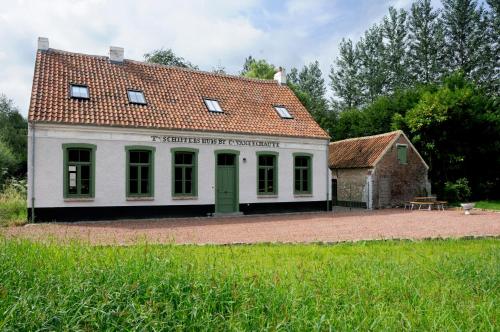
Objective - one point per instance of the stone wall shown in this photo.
(351, 184)
(395, 183)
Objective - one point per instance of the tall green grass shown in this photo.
(429, 285)
(13, 203)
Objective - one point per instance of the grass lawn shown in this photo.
(489, 205)
(390, 285)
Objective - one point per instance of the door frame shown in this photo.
(236, 154)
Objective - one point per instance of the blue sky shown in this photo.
(207, 33)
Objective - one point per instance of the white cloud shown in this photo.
(207, 33)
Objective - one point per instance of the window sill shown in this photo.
(302, 195)
(267, 196)
(139, 198)
(79, 199)
(180, 198)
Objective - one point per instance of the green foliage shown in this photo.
(258, 69)
(13, 203)
(363, 286)
(425, 43)
(456, 129)
(458, 191)
(13, 140)
(345, 77)
(168, 58)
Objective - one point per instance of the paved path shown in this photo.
(312, 227)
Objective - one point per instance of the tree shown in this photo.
(13, 133)
(372, 66)
(492, 18)
(168, 58)
(456, 128)
(345, 79)
(395, 35)
(309, 86)
(465, 35)
(219, 69)
(258, 69)
(293, 76)
(426, 42)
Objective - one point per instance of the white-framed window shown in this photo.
(79, 91)
(136, 97)
(213, 105)
(283, 112)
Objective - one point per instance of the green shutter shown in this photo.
(402, 154)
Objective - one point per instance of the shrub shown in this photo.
(458, 191)
(13, 203)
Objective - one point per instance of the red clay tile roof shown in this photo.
(361, 151)
(174, 98)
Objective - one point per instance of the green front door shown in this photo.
(226, 188)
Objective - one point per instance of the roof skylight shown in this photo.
(136, 97)
(213, 105)
(79, 91)
(283, 112)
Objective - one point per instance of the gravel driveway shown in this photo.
(312, 227)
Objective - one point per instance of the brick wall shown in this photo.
(395, 183)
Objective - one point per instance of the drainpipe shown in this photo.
(33, 172)
(327, 177)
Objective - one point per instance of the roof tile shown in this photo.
(174, 98)
(359, 152)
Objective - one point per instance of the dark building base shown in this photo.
(91, 213)
(353, 204)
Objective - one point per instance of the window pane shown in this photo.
(188, 187)
(188, 158)
(270, 174)
(144, 186)
(85, 187)
(144, 157)
(305, 182)
(178, 159)
(73, 155)
(85, 172)
(213, 105)
(178, 174)
(188, 173)
(133, 172)
(262, 186)
(178, 187)
(283, 112)
(133, 187)
(134, 156)
(145, 173)
(262, 172)
(85, 155)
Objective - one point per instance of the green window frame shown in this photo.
(402, 152)
(140, 172)
(267, 173)
(184, 172)
(78, 170)
(302, 173)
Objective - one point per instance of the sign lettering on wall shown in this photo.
(214, 141)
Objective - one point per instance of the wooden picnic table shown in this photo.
(428, 202)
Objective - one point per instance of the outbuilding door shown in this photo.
(226, 196)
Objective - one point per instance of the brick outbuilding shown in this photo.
(377, 171)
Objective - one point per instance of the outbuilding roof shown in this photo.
(174, 98)
(360, 152)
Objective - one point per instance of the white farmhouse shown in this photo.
(115, 138)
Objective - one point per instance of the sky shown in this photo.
(207, 33)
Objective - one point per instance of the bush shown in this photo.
(13, 203)
(458, 191)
